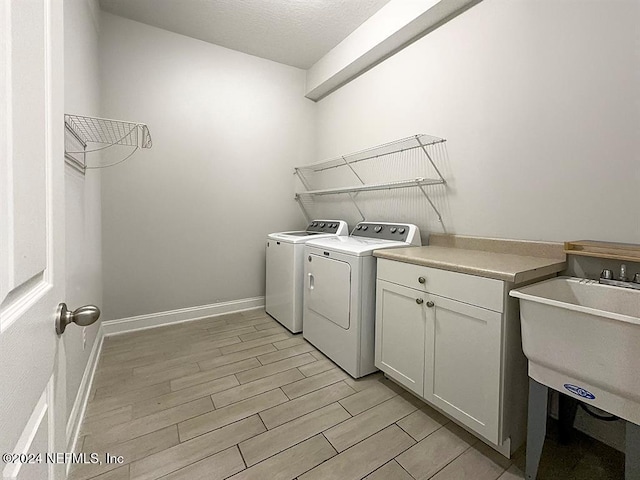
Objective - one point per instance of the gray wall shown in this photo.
(540, 104)
(184, 223)
(82, 194)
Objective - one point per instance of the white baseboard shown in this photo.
(153, 320)
(80, 403)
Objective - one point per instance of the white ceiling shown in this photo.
(293, 32)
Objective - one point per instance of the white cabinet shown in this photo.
(463, 364)
(401, 334)
(446, 337)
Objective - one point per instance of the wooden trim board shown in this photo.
(612, 250)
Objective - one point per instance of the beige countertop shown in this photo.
(509, 260)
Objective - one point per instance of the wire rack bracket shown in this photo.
(92, 134)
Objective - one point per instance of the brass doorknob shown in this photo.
(82, 316)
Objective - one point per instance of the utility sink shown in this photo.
(583, 338)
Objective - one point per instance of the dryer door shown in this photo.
(328, 289)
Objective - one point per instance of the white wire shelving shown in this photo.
(93, 134)
(418, 142)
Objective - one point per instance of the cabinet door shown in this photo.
(400, 334)
(463, 364)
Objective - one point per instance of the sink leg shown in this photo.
(632, 456)
(536, 427)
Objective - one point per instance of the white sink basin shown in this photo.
(583, 339)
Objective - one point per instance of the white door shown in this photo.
(329, 289)
(401, 329)
(32, 398)
(462, 373)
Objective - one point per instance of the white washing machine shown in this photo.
(285, 269)
(339, 293)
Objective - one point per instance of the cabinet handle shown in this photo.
(430, 304)
(422, 280)
(419, 301)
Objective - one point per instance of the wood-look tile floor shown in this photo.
(238, 396)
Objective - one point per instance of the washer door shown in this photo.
(328, 289)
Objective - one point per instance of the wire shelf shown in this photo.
(396, 146)
(103, 133)
(401, 150)
(415, 182)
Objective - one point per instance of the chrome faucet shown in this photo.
(623, 273)
(606, 278)
(606, 274)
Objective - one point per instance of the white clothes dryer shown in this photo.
(285, 269)
(339, 292)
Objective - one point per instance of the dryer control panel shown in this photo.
(388, 231)
(338, 227)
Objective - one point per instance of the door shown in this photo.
(329, 289)
(401, 326)
(462, 373)
(32, 394)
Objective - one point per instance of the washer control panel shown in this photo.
(327, 226)
(387, 231)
